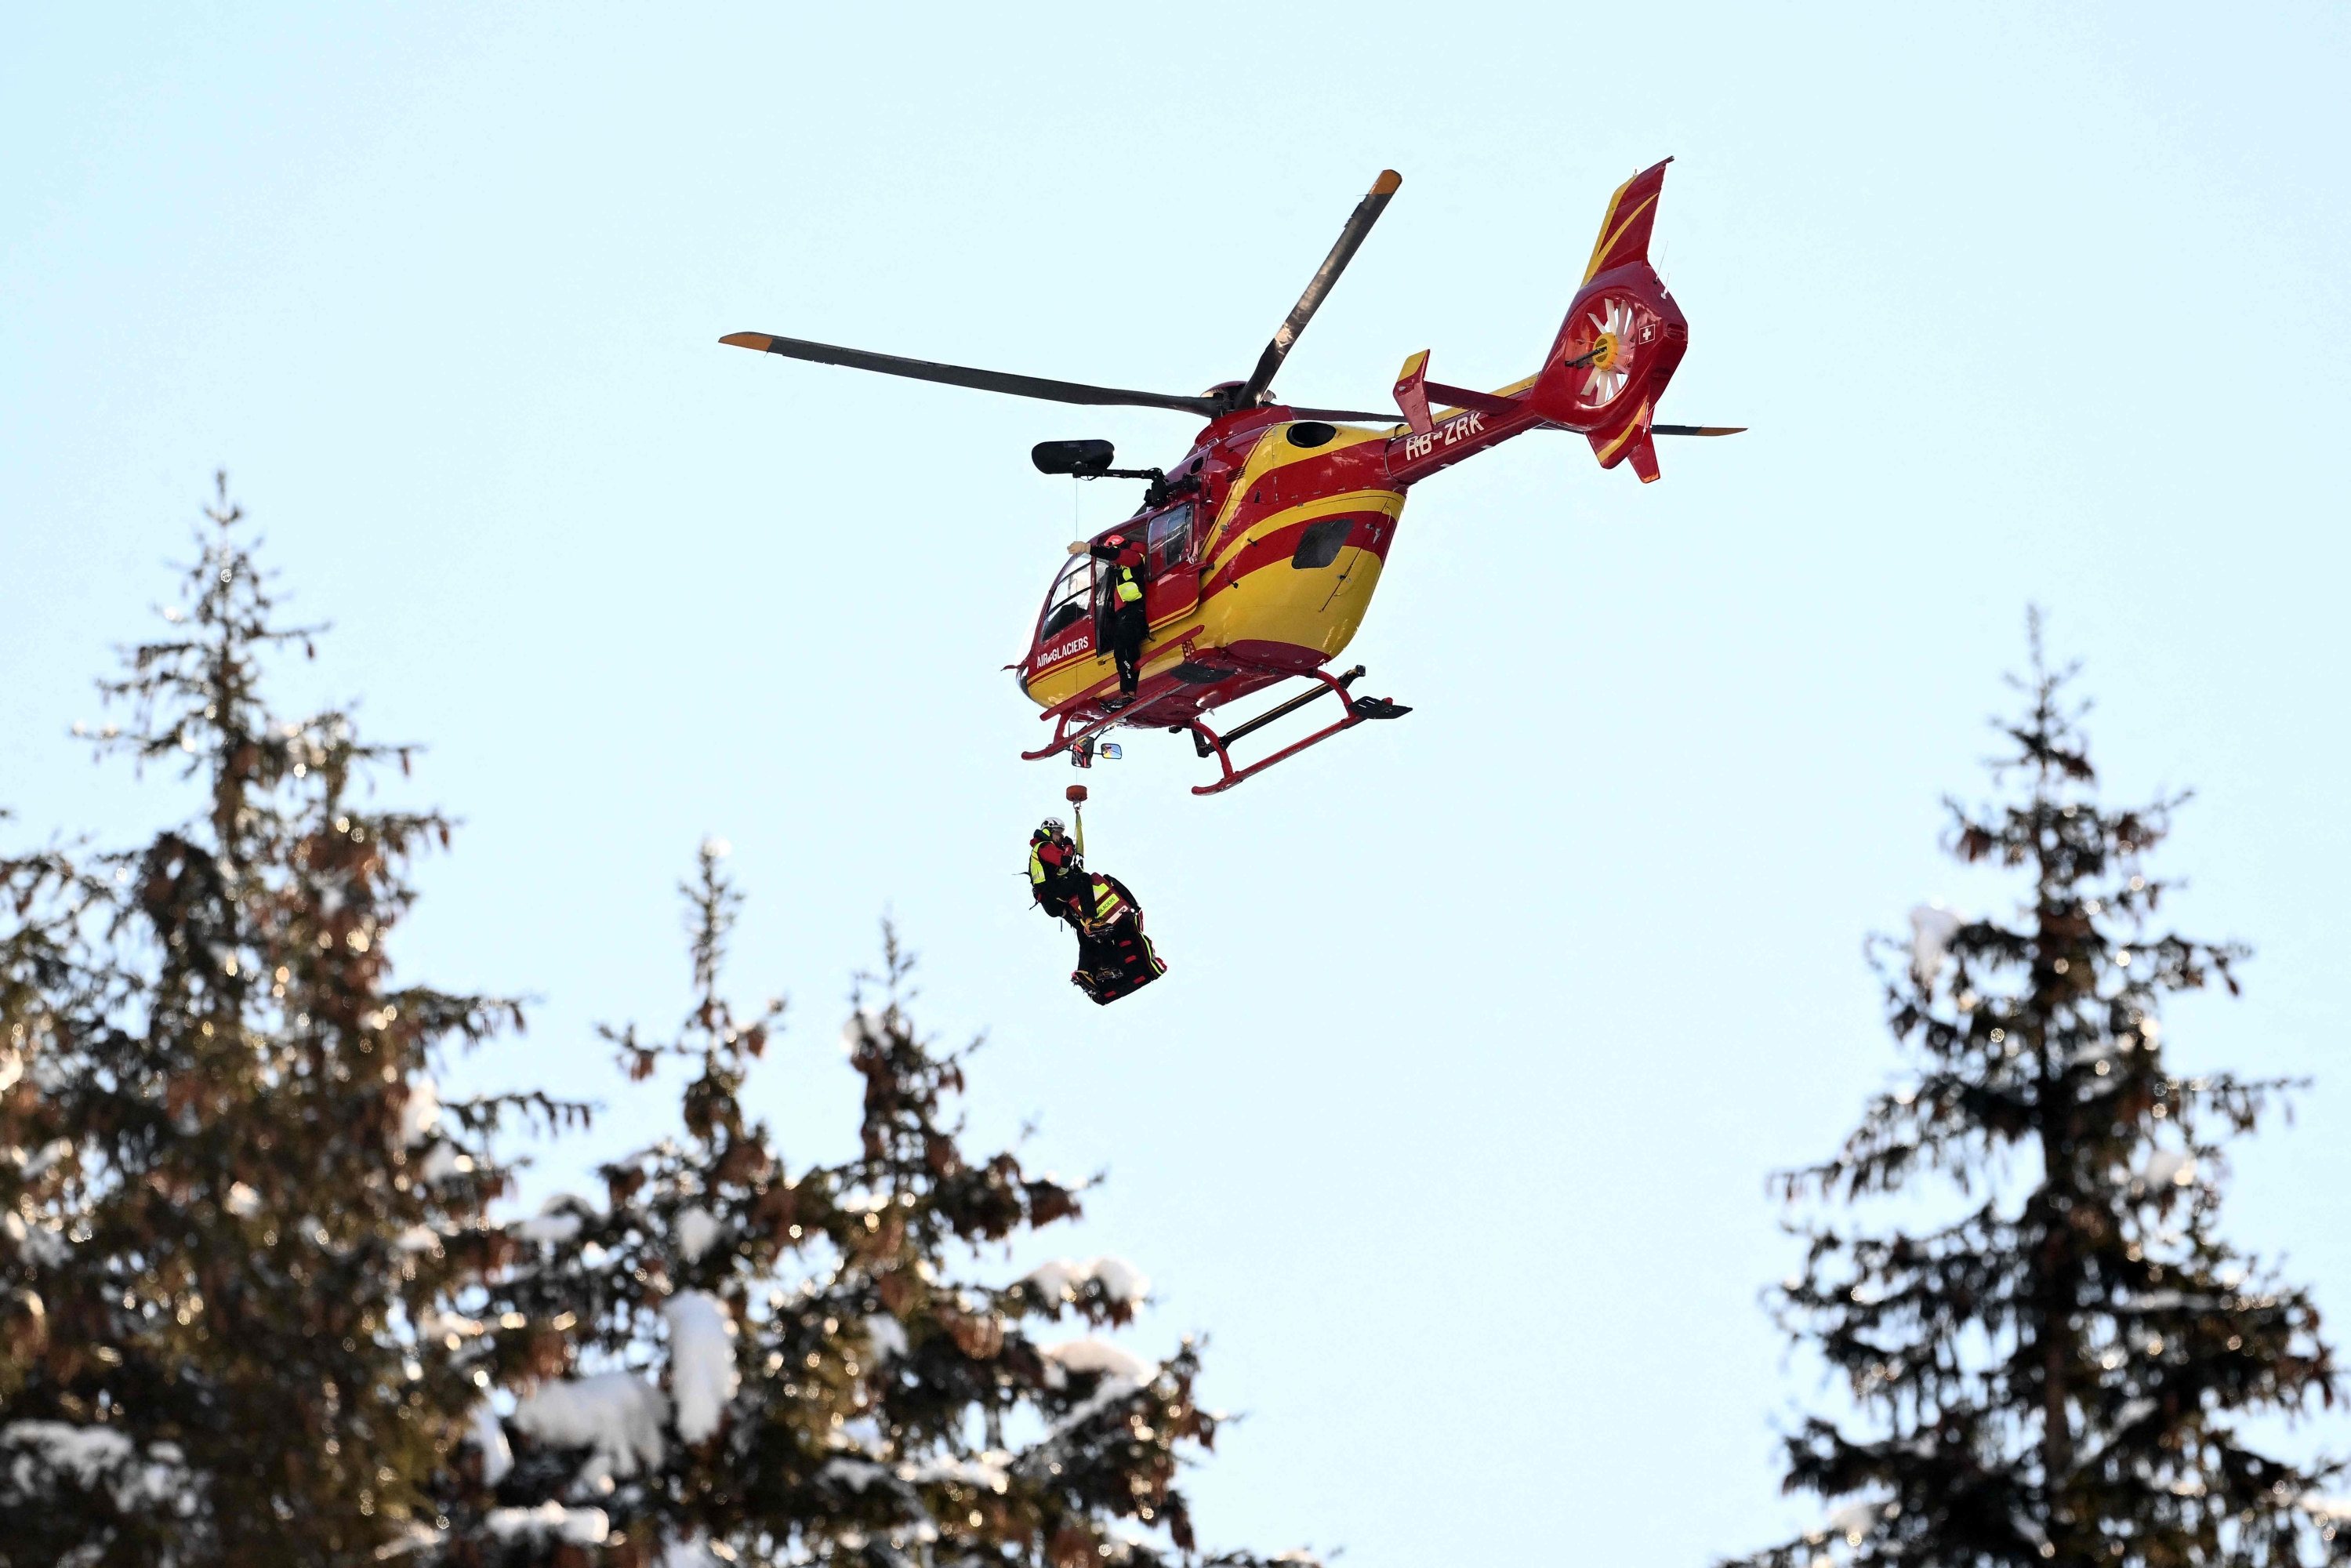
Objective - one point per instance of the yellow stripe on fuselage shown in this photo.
(1273, 452)
(1277, 603)
(1320, 608)
(1391, 502)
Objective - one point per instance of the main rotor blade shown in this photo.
(964, 376)
(1696, 429)
(1359, 224)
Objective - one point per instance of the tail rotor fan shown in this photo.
(1607, 347)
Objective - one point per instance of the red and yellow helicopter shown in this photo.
(1266, 542)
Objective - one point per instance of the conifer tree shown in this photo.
(733, 1360)
(2062, 1372)
(228, 1196)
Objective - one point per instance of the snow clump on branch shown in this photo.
(550, 1522)
(485, 1432)
(1932, 926)
(864, 1024)
(1059, 1280)
(702, 1371)
(442, 1161)
(46, 1248)
(41, 1454)
(1097, 1355)
(692, 1553)
(697, 1229)
(559, 1219)
(420, 1113)
(886, 1335)
(616, 1414)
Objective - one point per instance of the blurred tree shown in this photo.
(229, 1197)
(736, 1362)
(2060, 1373)
(252, 1309)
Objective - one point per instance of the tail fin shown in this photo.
(1624, 231)
(1622, 339)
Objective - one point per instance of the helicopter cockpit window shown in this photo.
(1071, 600)
(1170, 538)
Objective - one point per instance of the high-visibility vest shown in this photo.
(1124, 589)
(1047, 860)
(1107, 904)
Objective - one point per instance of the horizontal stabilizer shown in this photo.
(1696, 429)
(1412, 393)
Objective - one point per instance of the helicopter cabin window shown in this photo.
(1071, 600)
(1170, 538)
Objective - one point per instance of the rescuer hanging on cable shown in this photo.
(1114, 956)
(1056, 865)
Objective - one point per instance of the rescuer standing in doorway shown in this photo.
(1123, 602)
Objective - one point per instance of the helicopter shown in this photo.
(1264, 544)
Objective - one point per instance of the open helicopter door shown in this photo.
(1172, 580)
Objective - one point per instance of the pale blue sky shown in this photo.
(1450, 1120)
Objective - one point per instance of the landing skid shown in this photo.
(1065, 739)
(1207, 743)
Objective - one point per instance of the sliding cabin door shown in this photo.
(1172, 578)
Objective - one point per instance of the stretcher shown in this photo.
(1116, 957)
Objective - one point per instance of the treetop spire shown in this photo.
(2060, 1367)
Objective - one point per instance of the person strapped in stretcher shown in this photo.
(1114, 956)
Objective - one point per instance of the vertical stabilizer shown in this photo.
(1625, 230)
(1623, 337)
